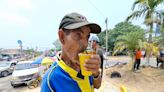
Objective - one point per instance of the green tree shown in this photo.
(119, 29)
(57, 45)
(161, 37)
(151, 49)
(129, 41)
(102, 37)
(148, 10)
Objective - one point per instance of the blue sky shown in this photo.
(36, 22)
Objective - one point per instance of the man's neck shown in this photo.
(70, 63)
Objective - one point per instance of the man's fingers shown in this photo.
(92, 66)
(92, 61)
(92, 69)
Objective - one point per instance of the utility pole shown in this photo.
(106, 22)
(21, 47)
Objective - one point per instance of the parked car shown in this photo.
(6, 58)
(23, 73)
(1, 59)
(6, 68)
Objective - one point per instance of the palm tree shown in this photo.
(160, 39)
(129, 41)
(163, 20)
(148, 10)
(151, 48)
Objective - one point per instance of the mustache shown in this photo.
(82, 47)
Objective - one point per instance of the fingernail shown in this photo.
(86, 61)
(86, 69)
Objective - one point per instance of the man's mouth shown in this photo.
(82, 50)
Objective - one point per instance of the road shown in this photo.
(111, 61)
(6, 87)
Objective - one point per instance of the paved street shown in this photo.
(6, 87)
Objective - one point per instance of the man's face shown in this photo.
(94, 44)
(75, 42)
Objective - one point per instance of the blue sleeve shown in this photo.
(44, 85)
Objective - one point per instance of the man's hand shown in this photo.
(93, 64)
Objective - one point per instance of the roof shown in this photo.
(11, 51)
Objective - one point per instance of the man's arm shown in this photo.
(100, 53)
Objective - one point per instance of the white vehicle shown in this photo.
(24, 72)
(6, 68)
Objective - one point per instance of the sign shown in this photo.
(19, 42)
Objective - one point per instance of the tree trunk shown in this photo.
(148, 59)
(150, 34)
(163, 23)
(133, 62)
(149, 41)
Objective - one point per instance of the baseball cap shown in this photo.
(94, 38)
(75, 20)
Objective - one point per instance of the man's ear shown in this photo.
(61, 35)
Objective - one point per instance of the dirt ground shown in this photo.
(149, 79)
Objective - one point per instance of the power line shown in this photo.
(96, 8)
(106, 22)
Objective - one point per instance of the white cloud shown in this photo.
(25, 4)
(13, 19)
(10, 14)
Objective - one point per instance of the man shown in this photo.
(96, 47)
(160, 58)
(65, 75)
(138, 56)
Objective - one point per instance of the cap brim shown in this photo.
(95, 28)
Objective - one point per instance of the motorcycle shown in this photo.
(34, 82)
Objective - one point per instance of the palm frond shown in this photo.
(135, 14)
(128, 41)
(151, 48)
(119, 46)
(135, 3)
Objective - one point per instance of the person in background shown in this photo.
(65, 74)
(96, 47)
(160, 58)
(138, 56)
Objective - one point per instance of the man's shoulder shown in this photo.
(52, 69)
(49, 76)
(100, 51)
